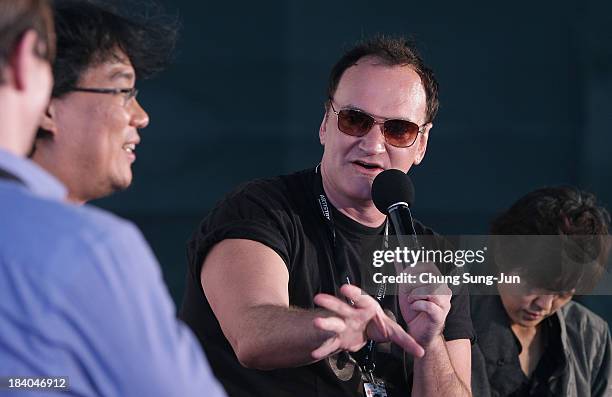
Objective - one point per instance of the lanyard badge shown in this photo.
(375, 389)
(373, 386)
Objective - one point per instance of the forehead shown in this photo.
(115, 68)
(387, 91)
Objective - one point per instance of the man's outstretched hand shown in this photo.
(350, 326)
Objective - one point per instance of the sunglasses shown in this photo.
(397, 132)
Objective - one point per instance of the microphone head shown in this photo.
(390, 187)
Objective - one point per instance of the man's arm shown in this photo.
(246, 284)
(444, 370)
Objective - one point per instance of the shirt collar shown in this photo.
(492, 322)
(38, 181)
(564, 338)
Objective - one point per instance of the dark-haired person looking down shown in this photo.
(533, 340)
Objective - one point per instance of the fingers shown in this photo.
(380, 324)
(330, 346)
(368, 307)
(416, 272)
(360, 300)
(440, 301)
(432, 289)
(433, 310)
(334, 305)
(401, 338)
(334, 325)
(439, 294)
(348, 320)
(330, 324)
(346, 323)
(358, 297)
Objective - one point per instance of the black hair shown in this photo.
(392, 51)
(557, 211)
(89, 33)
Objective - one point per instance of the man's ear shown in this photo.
(48, 119)
(323, 128)
(421, 143)
(22, 60)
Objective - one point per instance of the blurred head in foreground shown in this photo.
(27, 49)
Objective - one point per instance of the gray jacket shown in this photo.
(586, 342)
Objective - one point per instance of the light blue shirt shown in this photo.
(82, 296)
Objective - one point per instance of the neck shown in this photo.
(8, 143)
(43, 157)
(16, 135)
(532, 347)
(362, 211)
(525, 334)
(75, 200)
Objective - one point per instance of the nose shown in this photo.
(544, 303)
(374, 141)
(140, 118)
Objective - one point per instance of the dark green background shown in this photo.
(526, 101)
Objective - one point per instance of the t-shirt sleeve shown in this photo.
(459, 322)
(257, 211)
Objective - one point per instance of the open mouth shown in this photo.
(130, 147)
(369, 166)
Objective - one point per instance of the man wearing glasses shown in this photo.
(270, 253)
(83, 307)
(89, 133)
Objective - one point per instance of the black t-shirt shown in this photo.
(283, 214)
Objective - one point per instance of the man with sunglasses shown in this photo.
(89, 133)
(275, 249)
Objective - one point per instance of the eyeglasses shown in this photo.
(128, 93)
(397, 132)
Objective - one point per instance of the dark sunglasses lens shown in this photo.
(354, 123)
(401, 133)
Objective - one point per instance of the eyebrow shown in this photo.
(351, 106)
(354, 107)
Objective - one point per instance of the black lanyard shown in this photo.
(368, 353)
(8, 176)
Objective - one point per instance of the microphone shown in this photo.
(393, 194)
